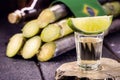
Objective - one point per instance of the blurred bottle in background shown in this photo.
(27, 10)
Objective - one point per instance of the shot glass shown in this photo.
(89, 50)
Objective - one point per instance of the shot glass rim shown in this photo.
(102, 33)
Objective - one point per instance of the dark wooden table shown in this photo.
(19, 69)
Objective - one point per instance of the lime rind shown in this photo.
(90, 25)
(71, 25)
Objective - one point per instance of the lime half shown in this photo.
(90, 25)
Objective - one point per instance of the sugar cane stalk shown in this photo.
(67, 43)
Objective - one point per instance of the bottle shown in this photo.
(29, 9)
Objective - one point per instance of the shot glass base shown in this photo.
(90, 67)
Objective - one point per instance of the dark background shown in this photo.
(7, 6)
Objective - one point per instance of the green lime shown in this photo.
(90, 25)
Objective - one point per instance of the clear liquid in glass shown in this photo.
(89, 51)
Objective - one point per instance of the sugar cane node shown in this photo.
(90, 25)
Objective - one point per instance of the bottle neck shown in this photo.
(30, 11)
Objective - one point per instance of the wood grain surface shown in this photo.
(109, 69)
(112, 42)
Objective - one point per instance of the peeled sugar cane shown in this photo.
(15, 44)
(51, 14)
(55, 31)
(30, 29)
(31, 47)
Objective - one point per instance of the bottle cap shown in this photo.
(82, 8)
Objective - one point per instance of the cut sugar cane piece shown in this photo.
(46, 52)
(30, 29)
(51, 14)
(50, 33)
(15, 44)
(45, 18)
(56, 48)
(31, 47)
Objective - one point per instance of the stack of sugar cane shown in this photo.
(49, 35)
